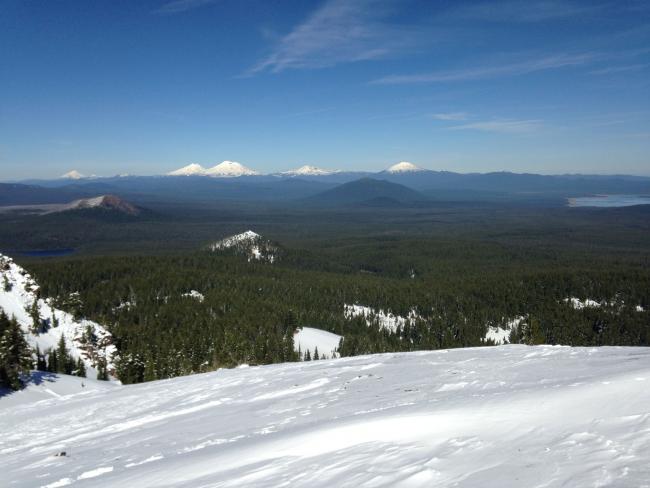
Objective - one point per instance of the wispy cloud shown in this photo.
(340, 31)
(450, 116)
(482, 72)
(525, 12)
(177, 6)
(619, 69)
(502, 126)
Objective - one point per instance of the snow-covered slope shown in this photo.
(308, 170)
(385, 319)
(230, 169)
(248, 243)
(404, 167)
(510, 416)
(18, 292)
(189, 170)
(310, 339)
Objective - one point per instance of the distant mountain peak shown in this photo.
(73, 175)
(404, 167)
(308, 170)
(189, 170)
(107, 202)
(229, 169)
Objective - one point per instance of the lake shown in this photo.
(609, 201)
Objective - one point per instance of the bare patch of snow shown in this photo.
(309, 339)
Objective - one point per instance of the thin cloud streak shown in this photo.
(178, 6)
(341, 31)
(512, 69)
(450, 116)
(502, 126)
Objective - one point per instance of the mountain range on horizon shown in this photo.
(234, 169)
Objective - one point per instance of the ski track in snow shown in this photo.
(508, 416)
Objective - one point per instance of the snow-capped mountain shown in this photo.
(73, 175)
(308, 170)
(85, 339)
(404, 167)
(509, 416)
(230, 169)
(189, 170)
(248, 243)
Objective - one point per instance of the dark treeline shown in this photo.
(250, 310)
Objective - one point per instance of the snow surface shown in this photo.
(229, 169)
(308, 339)
(189, 170)
(385, 319)
(404, 167)
(17, 303)
(496, 417)
(308, 170)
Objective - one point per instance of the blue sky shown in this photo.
(144, 87)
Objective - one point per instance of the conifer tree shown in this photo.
(41, 365)
(15, 355)
(316, 357)
(65, 364)
(52, 361)
(80, 369)
(37, 322)
(102, 372)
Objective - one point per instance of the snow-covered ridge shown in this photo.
(308, 170)
(249, 243)
(404, 167)
(19, 292)
(385, 319)
(579, 304)
(510, 416)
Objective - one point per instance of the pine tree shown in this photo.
(316, 356)
(41, 365)
(7, 284)
(37, 322)
(80, 369)
(15, 356)
(307, 356)
(52, 361)
(102, 372)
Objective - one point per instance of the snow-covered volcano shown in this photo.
(506, 417)
(404, 167)
(72, 175)
(308, 170)
(228, 169)
(189, 170)
(85, 339)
